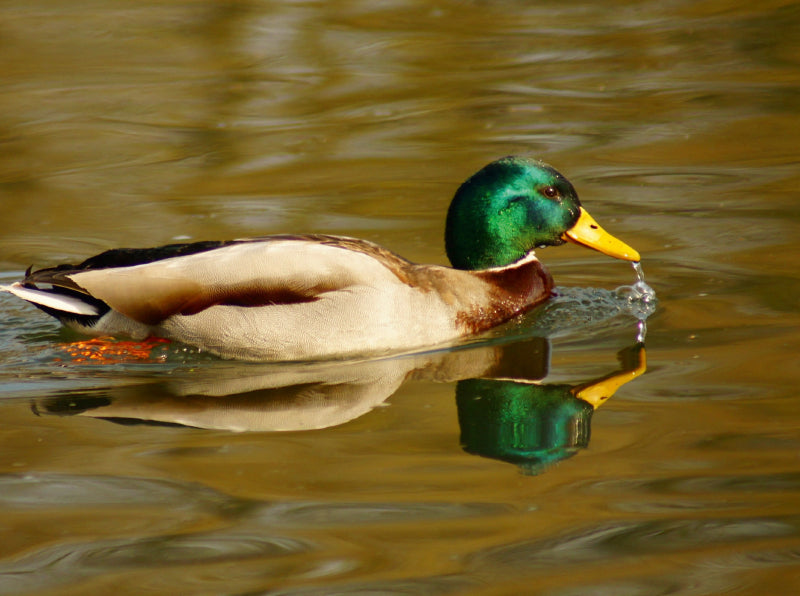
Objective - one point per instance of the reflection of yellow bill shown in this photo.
(599, 391)
(587, 232)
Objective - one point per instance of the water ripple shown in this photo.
(610, 540)
(424, 586)
(67, 563)
(62, 490)
(333, 514)
(754, 483)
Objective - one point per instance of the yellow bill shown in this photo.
(597, 392)
(587, 232)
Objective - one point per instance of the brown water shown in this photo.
(452, 472)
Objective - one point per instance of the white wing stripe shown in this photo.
(60, 302)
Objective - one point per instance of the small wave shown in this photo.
(575, 309)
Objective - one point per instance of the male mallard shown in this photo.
(315, 296)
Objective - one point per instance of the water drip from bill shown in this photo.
(638, 293)
(579, 309)
(641, 299)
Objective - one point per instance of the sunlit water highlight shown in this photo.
(141, 124)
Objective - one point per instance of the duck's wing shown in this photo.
(53, 290)
(150, 285)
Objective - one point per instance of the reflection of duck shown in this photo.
(503, 411)
(274, 397)
(535, 425)
(309, 297)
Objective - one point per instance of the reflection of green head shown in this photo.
(507, 209)
(530, 425)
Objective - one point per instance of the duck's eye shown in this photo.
(551, 192)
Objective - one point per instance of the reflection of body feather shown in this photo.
(278, 397)
(308, 297)
(503, 410)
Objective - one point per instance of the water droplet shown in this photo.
(640, 291)
(642, 331)
(640, 297)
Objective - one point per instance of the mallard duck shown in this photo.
(311, 297)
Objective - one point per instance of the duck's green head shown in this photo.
(514, 205)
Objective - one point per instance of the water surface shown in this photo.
(142, 124)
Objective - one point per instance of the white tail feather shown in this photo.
(60, 302)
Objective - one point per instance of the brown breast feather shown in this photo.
(510, 291)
